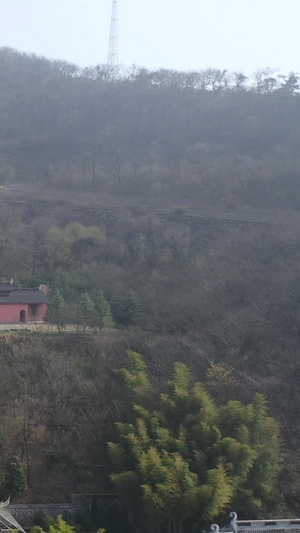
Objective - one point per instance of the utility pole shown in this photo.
(112, 58)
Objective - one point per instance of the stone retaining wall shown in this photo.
(24, 514)
(80, 504)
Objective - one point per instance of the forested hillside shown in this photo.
(206, 137)
(146, 273)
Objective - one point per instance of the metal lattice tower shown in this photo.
(112, 58)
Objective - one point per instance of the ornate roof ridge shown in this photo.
(235, 525)
(6, 503)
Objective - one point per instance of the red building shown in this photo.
(22, 305)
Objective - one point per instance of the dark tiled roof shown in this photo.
(23, 296)
(6, 287)
(7, 521)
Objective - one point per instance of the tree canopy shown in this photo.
(180, 460)
(210, 134)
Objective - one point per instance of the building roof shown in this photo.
(5, 286)
(21, 296)
(7, 521)
(258, 526)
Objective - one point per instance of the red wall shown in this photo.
(10, 313)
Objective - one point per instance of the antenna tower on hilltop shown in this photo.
(112, 58)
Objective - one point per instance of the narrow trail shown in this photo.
(144, 208)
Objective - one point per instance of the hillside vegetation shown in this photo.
(206, 137)
(219, 294)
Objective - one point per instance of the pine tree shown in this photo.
(127, 308)
(103, 316)
(15, 476)
(87, 311)
(58, 312)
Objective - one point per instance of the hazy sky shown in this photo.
(181, 34)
